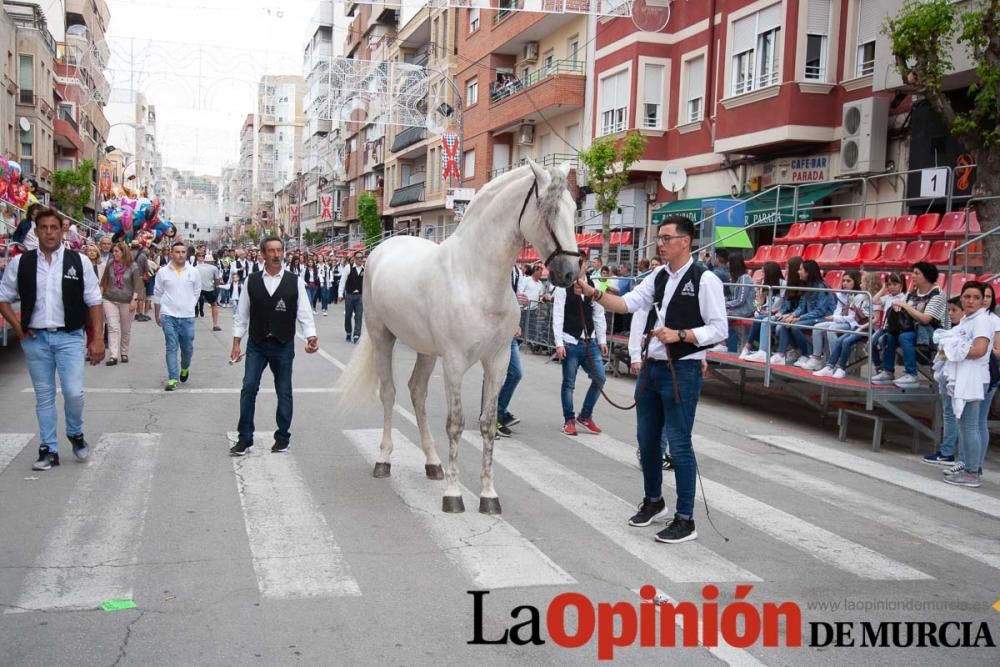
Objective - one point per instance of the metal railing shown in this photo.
(67, 115)
(501, 90)
(506, 9)
(407, 194)
(550, 160)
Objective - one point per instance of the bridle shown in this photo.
(579, 254)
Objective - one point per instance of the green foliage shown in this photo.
(608, 162)
(311, 238)
(254, 235)
(923, 34)
(371, 221)
(74, 188)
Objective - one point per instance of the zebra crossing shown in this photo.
(91, 552)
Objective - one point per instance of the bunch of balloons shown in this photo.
(12, 188)
(135, 217)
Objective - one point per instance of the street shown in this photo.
(305, 558)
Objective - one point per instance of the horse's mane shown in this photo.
(548, 198)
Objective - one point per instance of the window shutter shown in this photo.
(769, 18)
(744, 34)
(653, 91)
(868, 21)
(696, 78)
(818, 17)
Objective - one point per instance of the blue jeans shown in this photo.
(877, 356)
(223, 295)
(44, 354)
(311, 294)
(659, 413)
(575, 356)
(324, 295)
(353, 307)
(984, 416)
(830, 329)
(949, 435)
(280, 357)
(178, 332)
(970, 437)
(840, 350)
(733, 341)
(908, 342)
(514, 375)
(798, 336)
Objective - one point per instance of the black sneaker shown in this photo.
(185, 374)
(503, 431)
(510, 420)
(279, 448)
(679, 530)
(240, 448)
(348, 338)
(668, 463)
(80, 447)
(46, 459)
(649, 512)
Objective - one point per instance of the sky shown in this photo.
(198, 62)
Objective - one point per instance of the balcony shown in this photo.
(408, 194)
(507, 9)
(66, 132)
(408, 137)
(512, 86)
(383, 12)
(550, 160)
(351, 8)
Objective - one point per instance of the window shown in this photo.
(573, 48)
(469, 170)
(525, 75)
(548, 60)
(471, 92)
(755, 50)
(694, 76)
(474, 19)
(868, 25)
(614, 96)
(817, 29)
(573, 137)
(652, 96)
(27, 151)
(26, 78)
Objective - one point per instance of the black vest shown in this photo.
(683, 311)
(273, 315)
(74, 307)
(572, 324)
(355, 280)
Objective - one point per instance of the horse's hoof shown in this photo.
(434, 471)
(489, 506)
(382, 470)
(452, 504)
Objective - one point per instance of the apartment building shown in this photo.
(82, 89)
(8, 82)
(280, 130)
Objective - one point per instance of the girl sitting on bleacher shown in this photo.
(844, 318)
(842, 346)
(767, 306)
(814, 305)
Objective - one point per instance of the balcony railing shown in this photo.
(408, 194)
(511, 86)
(67, 115)
(507, 7)
(408, 137)
(550, 160)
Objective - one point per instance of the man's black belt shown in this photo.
(49, 329)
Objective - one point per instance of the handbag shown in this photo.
(899, 321)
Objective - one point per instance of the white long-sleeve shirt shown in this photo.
(636, 334)
(177, 291)
(49, 312)
(711, 303)
(344, 273)
(303, 312)
(562, 338)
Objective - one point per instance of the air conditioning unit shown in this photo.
(865, 134)
(530, 52)
(526, 135)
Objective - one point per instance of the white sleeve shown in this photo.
(558, 309)
(91, 287)
(635, 335)
(8, 286)
(641, 297)
(241, 317)
(600, 323)
(158, 286)
(712, 304)
(304, 314)
(341, 287)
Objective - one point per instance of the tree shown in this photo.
(608, 162)
(254, 235)
(371, 221)
(311, 238)
(924, 34)
(74, 188)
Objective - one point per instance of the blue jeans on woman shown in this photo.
(840, 350)
(984, 416)
(906, 340)
(949, 434)
(45, 353)
(970, 435)
(312, 293)
(588, 354)
(798, 336)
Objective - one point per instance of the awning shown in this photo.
(689, 208)
(732, 237)
(759, 208)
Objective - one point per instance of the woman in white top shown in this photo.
(989, 304)
(845, 317)
(861, 312)
(972, 379)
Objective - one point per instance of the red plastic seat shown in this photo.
(894, 254)
(916, 251)
(778, 253)
(850, 254)
(793, 233)
(811, 232)
(871, 254)
(865, 229)
(884, 228)
(828, 230)
(846, 229)
(953, 225)
(829, 255)
(957, 281)
(763, 255)
(796, 249)
(833, 278)
(940, 252)
(812, 251)
(928, 223)
(906, 226)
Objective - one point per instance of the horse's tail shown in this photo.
(359, 381)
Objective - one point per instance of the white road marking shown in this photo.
(918, 524)
(326, 355)
(927, 485)
(194, 390)
(11, 445)
(89, 555)
(782, 526)
(294, 552)
(491, 552)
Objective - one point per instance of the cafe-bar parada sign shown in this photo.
(812, 169)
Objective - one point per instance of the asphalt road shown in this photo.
(305, 558)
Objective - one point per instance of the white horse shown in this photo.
(454, 301)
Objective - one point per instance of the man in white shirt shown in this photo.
(351, 285)
(689, 316)
(274, 302)
(579, 342)
(175, 297)
(58, 294)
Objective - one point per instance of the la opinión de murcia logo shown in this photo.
(653, 623)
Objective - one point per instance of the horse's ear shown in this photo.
(538, 171)
(563, 169)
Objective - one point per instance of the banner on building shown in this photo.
(294, 212)
(326, 207)
(449, 156)
(105, 183)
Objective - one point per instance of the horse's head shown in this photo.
(548, 223)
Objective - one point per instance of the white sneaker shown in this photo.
(885, 377)
(814, 364)
(721, 347)
(907, 381)
(758, 357)
(954, 468)
(792, 356)
(802, 362)
(777, 360)
(744, 354)
(824, 372)
(839, 374)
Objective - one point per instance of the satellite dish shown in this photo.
(25, 124)
(673, 178)
(651, 15)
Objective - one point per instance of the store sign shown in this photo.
(462, 195)
(788, 171)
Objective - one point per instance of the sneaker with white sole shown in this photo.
(649, 511)
(758, 357)
(777, 359)
(679, 530)
(907, 380)
(744, 354)
(825, 372)
(885, 377)
(958, 466)
(839, 374)
(939, 459)
(802, 362)
(814, 364)
(964, 478)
